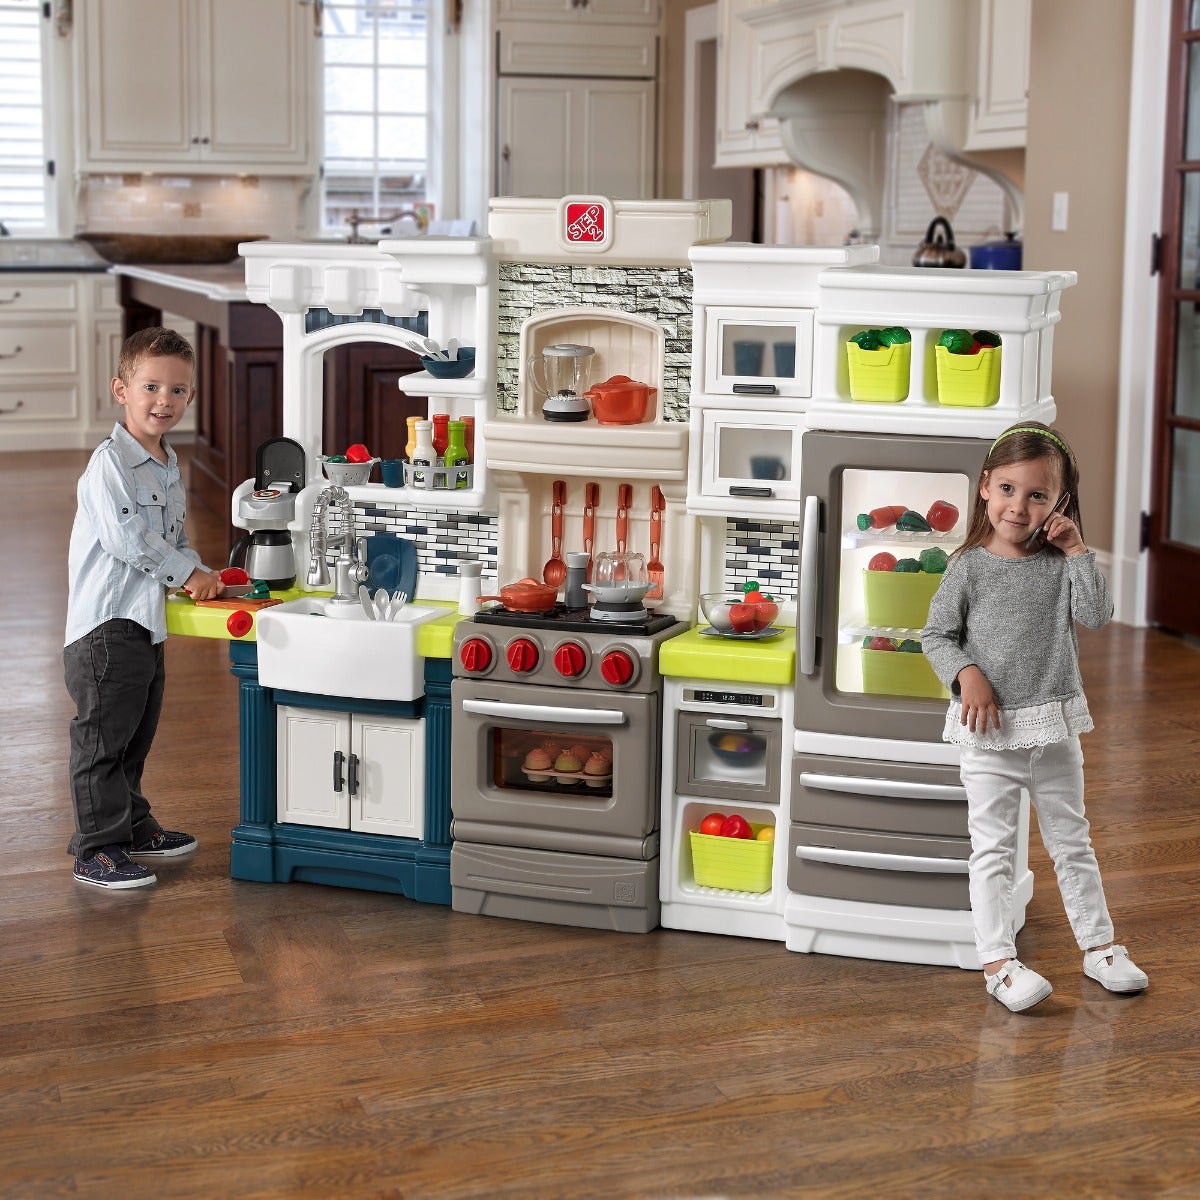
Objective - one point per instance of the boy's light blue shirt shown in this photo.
(127, 544)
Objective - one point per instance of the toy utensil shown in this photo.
(624, 498)
(591, 501)
(654, 568)
(1061, 506)
(555, 570)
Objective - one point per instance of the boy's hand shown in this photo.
(203, 585)
(978, 700)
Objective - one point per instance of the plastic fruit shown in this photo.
(942, 516)
(737, 827)
(883, 561)
(358, 453)
(881, 643)
(234, 577)
(712, 823)
(765, 834)
(933, 560)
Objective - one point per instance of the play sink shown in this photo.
(302, 648)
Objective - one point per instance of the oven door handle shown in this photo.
(893, 789)
(882, 862)
(546, 712)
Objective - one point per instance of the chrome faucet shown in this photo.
(350, 566)
(354, 219)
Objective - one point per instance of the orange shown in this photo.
(765, 834)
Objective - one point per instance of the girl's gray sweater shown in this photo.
(1014, 618)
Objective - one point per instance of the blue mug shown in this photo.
(748, 358)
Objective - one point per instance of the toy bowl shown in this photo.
(346, 474)
(732, 613)
(451, 368)
(737, 749)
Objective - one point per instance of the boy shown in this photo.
(127, 548)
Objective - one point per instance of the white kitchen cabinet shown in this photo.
(569, 48)
(562, 137)
(351, 771)
(998, 116)
(228, 88)
(743, 139)
(580, 12)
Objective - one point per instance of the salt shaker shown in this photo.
(470, 588)
(577, 561)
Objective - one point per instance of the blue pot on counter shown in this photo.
(997, 256)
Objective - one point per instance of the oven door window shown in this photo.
(565, 765)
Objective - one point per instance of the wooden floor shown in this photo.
(211, 1037)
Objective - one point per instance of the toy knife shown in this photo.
(1061, 506)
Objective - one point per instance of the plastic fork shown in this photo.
(398, 601)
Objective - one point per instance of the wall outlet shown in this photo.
(1058, 212)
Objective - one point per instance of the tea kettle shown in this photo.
(938, 250)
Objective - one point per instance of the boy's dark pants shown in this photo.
(116, 677)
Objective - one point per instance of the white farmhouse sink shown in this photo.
(302, 648)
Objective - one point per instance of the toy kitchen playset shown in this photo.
(658, 418)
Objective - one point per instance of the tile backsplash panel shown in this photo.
(768, 551)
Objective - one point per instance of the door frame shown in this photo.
(1139, 308)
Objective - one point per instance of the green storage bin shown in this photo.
(735, 864)
(900, 673)
(968, 380)
(879, 376)
(898, 600)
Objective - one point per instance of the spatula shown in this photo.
(654, 568)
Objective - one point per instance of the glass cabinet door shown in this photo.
(749, 455)
(758, 352)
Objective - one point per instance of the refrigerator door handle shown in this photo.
(882, 862)
(899, 789)
(806, 599)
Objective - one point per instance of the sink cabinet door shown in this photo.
(312, 782)
(390, 798)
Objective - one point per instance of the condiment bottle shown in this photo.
(469, 427)
(470, 587)
(411, 448)
(577, 565)
(422, 455)
(455, 454)
(440, 436)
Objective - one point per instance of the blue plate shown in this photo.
(391, 564)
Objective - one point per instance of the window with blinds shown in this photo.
(25, 202)
(376, 78)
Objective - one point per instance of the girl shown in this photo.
(1001, 637)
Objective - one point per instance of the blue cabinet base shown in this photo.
(302, 854)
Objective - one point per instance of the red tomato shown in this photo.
(743, 618)
(942, 516)
(754, 596)
(234, 576)
(358, 453)
(736, 827)
(712, 823)
(883, 561)
(881, 643)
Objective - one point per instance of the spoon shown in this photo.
(555, 570)
(434, 350)
(381, 604)
(452, 349)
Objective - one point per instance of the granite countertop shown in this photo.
(225, 282)
(696, 655)
(38, 255)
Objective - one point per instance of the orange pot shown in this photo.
(621, 401)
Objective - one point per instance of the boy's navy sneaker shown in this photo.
(164, 844)
(110, 867)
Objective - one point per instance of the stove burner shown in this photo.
(610, 614)
(629, 620)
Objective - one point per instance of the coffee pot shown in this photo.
(561, 373)
(266, 554)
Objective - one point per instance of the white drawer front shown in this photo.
(21, 406)
(38, 349)
(23, 293)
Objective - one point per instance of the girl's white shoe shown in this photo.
(1120, 974)
(1027, 987)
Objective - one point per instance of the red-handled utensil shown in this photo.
(654, 568)
(624, 499)
(555, 570)
(591, 495)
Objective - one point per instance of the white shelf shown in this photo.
(421, 383)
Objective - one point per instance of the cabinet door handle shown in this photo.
(352, 781)
(5, 411)
(338, 759)
(11, 299)
(505, 170)
(13, 354)
(756, 389)
(752, 493)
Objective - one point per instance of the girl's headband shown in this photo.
(1032, 429)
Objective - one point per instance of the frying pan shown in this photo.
(526, 595)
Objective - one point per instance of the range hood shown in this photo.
(828, 69)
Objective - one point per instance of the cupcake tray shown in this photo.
(567, 778)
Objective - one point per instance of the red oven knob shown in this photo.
(617, 668)
(475, 654)
(570, 659)
(522, 655)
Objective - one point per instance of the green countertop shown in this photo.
(696, 656)
(434, 638)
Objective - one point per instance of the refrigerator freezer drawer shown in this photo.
(924, 872)
(905, 798)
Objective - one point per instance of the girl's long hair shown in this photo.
(1023, 442)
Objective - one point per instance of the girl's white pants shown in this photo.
(1053, 776)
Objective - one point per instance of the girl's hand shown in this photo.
(978, 700)
(1062, 532)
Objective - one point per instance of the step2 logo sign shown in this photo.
(585, 222)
